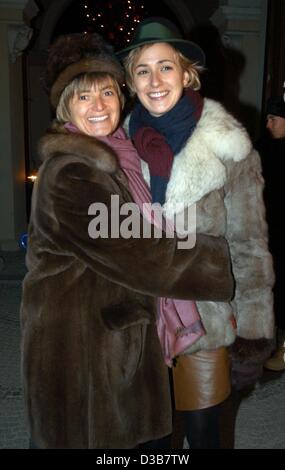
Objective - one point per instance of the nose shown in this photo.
(155, 79)
(98, 103)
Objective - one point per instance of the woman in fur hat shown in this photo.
(93, 372)
(194, 152)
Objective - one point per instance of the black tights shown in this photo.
(202, 428)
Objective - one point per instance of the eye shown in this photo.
(83, 97)
(166, 68)
(108, 93)
(142, 72)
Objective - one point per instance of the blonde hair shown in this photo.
(80, 84)
(187, 65)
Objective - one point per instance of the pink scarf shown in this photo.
(178, 321)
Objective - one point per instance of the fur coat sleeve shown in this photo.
(246, 232)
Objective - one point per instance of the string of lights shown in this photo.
(116, 20)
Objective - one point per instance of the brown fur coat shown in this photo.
(93, 372)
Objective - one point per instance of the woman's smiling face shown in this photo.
(159, 79)
(96, 110)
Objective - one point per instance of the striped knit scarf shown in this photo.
(159, 139)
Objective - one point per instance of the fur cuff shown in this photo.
(251, 351)
(248, 357)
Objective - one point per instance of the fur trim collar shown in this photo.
(199, 168)
(58, 141)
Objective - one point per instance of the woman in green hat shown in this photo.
(195, 153)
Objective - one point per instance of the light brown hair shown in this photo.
(82, 83)
(192, 68)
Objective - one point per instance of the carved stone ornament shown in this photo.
(19, 36)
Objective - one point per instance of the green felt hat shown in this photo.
(156, 29)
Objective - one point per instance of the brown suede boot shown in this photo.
(277, 361)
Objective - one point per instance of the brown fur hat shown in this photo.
(74, 54)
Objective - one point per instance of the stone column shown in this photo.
(14, 37)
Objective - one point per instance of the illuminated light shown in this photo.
(128, 40)
(24, 240)
(32, 178)
(102, 26)
(87, 16)
(85, 6)
(121, 29)
(130, 8)
(99, 14)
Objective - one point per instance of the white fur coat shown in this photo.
(219, 172)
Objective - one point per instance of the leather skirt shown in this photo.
(201, 380)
